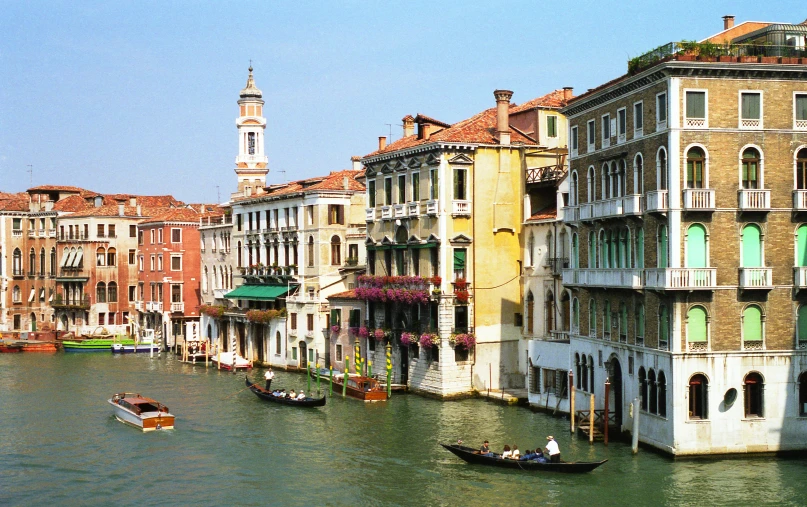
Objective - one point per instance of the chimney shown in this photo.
(424, 130)
(408, 125)
(120, 209)
(382, 142)
(728, 22)
(567, 93)
(345, 183)
(503, 115)
(356, 161)
(133, 201)
(138, 211)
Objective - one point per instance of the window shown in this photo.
(651, 387)
(695, 162)
(132, 293)
(415, 180)
(663, 327)
(801, 171)
(621, 125)
(336, 214)
(111, 232)
(353, 254)
(752, 328)
(278, 343)
(176, 236)
(638, 119)
(459, 263)
(639, 323)
(309, 322)
(661, 396)
(100, 256)
(176, 293)
(552, 126)
(401, 188)
(754, 388)
(803, 394)
(698, 397)
(100, 292)
(176, 263)
(336, 251)
(159, 236)
(750, 172)
(800, 111)
(336, 318)
(697, 329)
(750, 110)
(100, 230)
(160, 262)
(338, 352)
(370, 196)
(354, 320)
(695, 116)
(643, 388)
(132, 255)
(661, 111)
(605, 127)
(460, 184)
(111, 257)
(141, 266)
(112, 292)
(592, 318)
(590, 136)
(573, 140)
(387, 191)
(132, 231)
(310, 252)
(140, 237)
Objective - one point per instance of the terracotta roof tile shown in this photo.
(71, 204)
(548, 213)
(14, 202)
(333, 181)
(56, 188)
(552, 99)
(348, 294)
(174, 215)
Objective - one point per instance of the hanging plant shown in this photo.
(428, 340)
(408, 339)
(363, 332)
(463, 340)
(215, 311)
(379, 334)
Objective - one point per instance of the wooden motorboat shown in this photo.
(146, 343)
(472, 455)
(263, 394)
(141, 412)
(94, 344)
(39, 346)
(362, 388)
(230, 360)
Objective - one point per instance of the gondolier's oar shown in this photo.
(240, 391)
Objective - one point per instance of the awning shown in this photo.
(32, 296)
(79, 257)
(258, 292)
(68, 259)
(64, 260)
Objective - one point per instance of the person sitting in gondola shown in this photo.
(506, 453)
(515, 454)
(485, 449)
(301, 396)
(291, 394)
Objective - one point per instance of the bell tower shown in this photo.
(251, 162)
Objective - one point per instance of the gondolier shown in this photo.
(269, 375)
(553, 450)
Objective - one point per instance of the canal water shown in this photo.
(60, 445)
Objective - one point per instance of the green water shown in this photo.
(60, 445)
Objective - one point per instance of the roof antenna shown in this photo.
(218, 195)
(30, 171)
(284, 174)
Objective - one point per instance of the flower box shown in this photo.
(727, 58)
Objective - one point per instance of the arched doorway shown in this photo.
(63, 322)
(401, 324)
(615, 399)
(303, 354)
(33, 321)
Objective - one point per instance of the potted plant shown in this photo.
(428, 340)
(408, 339)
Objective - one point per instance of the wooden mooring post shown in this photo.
(605, 415)
(571, 400)
(591, 420)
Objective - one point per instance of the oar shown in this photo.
(239, 391)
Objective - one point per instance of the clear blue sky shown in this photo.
(141, 96)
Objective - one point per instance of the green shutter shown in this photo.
(640, 249)
(662, 249)
(752, 251)
(336, 317)
(752, 324)
(696, 246)
(802, 323)
(801, 107)
(750, 106)
(592, 250)
(801, 250)
(664, 324)
(696, 324)
(459, 259)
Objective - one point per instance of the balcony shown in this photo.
(800, 277)
(619, 278)
(386, 213)
(17, 233)
(699, 199)
(154, 306)
(558, 336)
(614, 207)
(800, 200)
(753, 345)
(138, 306)
(681, 278)
(292, 332)
(800, 125)
(369, 215)
(460, 208)
(309, 334)
(755, 200)
(656, 201)
(432, 207)
(82, 302)
(571, 214)
(177, 307)
(31, 233)
(41, 233)
(701, 346)
(756, 278)
(399, 210)
(557, 264)
(413, 209)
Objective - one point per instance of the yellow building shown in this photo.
(445, 210)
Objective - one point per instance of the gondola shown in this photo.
(472, 456)
(263, 394)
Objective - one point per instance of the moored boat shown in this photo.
(230, 360)
(39, 346)
(263, 394)
(361, 388)
(472, 455)
(9, 347)
(146, 343)
(94, 344)
(141, 412)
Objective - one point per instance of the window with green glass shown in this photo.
(752, 323)
(801, 327)
(592, 318)
(696, 104)
(387, 191)
(696, 324)
(552, 126)
(695, 161)
(751, 105)
(750, 169)
(371, 194)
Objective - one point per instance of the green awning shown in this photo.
(258, 292)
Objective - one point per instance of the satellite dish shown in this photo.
(730, 397)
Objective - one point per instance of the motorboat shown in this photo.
(141, 412)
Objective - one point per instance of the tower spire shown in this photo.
(251, 164)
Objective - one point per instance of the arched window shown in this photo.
(578, 371)
(310, 253)
(801, 170)
(696, 246)
(575, 263)
(100, 256)
(42, 262)
(111, 257)
(697, 330)
(531, 250)
(549, 310)
(205, 280)
(592, 318)
(663, 327)
(754, 387)
(801, 246)
(662, 394)
(32, 261)
(801, 327)
(643, 387)
(803, 394)
(112, 292)
(661, 168)
(750, 169)
(623, 322)
(584, 372)
(620, 178)
(638, 174)
(639, 256)
(605, 176)
(575, 316)
(639, 317)
(592, 181)
(530, 313)
(661, 241)
(752, 328)
(100, 292)
(696, 160)
(573, 191)
(16, 294)
(336, 251)
(698, 397)
(591, 372)
(752, 246)
(16, 266)
(52, 261)
(240, 255)
(606, 320)
(651, 388)
(592, 249)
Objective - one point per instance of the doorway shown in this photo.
(303, 355)
(616, 390)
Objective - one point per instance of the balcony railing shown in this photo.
(700, 199)
(386, 213)
(16, 233)
(618, 278)
(571, 214)
(370, 215)
(756, 278)
(558, 335)
(656, 200)
(613, 207)
(177, 307)
(800, 200)
(800, 125)
(681, 278)
(413, 208)
(755, 200)
(557, 264)
(138, 306)
(81, 302)
(72, 237)
(460, 208)
(702, 346)
(753, 345)
(154, 306)
(399, 210)
(432, 207)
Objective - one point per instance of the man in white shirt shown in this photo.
(269, 375)
(301, 396)
(553, 450)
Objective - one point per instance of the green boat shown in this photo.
(95, 344)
